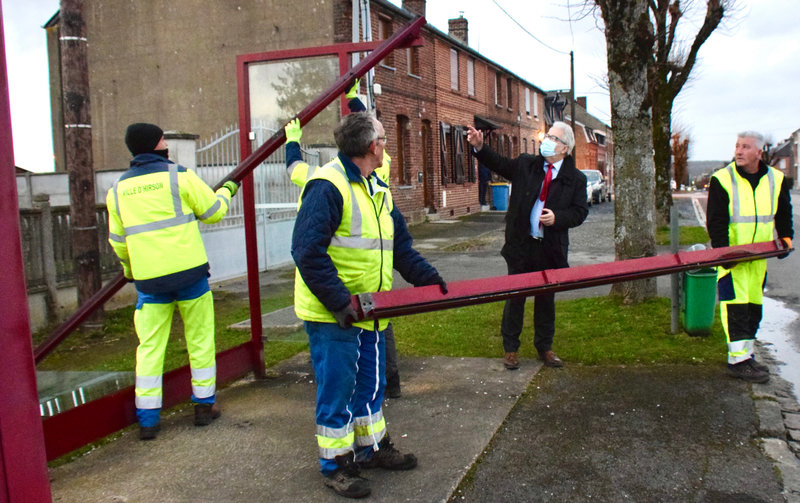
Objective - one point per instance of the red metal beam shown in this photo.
(23, 470)
(478, 291)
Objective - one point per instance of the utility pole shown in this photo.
(572, 90)
(78, 151)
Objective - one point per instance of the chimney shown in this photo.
(415, 7)
(457, 28)
(581, 101)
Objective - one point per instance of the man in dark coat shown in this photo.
(548, 197)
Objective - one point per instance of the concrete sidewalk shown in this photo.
(263, 448)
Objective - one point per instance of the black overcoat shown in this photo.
(566, 198)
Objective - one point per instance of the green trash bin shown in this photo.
(699, 301)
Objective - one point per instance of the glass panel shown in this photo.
(279, 90)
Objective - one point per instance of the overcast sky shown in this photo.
(747, 76)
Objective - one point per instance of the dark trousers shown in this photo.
(392, 372)
(544, 308)
(482, 186)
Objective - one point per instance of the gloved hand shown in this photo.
(353, 91)
(442, 285)
(232, 186)
(787, 242)
(293, 131)
(345, 316)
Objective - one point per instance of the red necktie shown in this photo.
(546, 185)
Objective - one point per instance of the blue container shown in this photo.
(500, 195)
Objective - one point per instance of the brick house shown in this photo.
(177, 69)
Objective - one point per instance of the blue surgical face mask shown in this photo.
(548, 148)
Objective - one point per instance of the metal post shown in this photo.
(78, 151)
(674, 279)
(23, 464)
(572, 91)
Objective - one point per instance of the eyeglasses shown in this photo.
(555, 138)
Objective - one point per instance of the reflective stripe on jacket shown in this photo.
(752, 212)
(153, 212)
(361, 248)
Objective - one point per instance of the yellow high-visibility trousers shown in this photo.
(153, 321)
(741, 294)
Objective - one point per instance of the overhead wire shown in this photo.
(528, 32)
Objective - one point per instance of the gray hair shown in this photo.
(758, 137)
(569, 136)
(354, 134)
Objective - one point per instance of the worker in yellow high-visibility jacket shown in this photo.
(748, 202)
(153, 210)
(301, 172)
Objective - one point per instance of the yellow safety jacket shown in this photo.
(752, 212)
(361, 247)
(153, 211)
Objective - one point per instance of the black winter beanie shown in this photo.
(142, 138)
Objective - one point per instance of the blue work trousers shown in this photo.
(350, 367)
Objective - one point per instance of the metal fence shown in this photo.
(219, 155)
(46, 236)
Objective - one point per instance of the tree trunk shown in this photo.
(662, 155)
(629, 42)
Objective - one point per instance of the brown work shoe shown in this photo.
(510, 360)
(389, 458)
(204, 413)
(550, 359)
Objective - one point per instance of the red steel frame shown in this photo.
(478, 291)
(76, 427)
(23, 468)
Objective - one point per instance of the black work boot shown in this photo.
(149, 432)
(204, 413)
(747, 372)
(346, 480)
(389, 458)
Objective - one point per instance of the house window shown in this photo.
(535, 105)
(400, 164)
(384, 32)
(454, 157)
(525, 145)
(454, 69)
(471, 76)
(527, 101)
(509, 85)
(497, 81)
(412, 54)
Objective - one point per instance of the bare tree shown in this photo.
(680, 158)
(669, 70)
(629, 47)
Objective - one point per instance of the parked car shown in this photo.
(599, 189)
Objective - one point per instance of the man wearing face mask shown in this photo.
(548, 198)
(153, 210)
